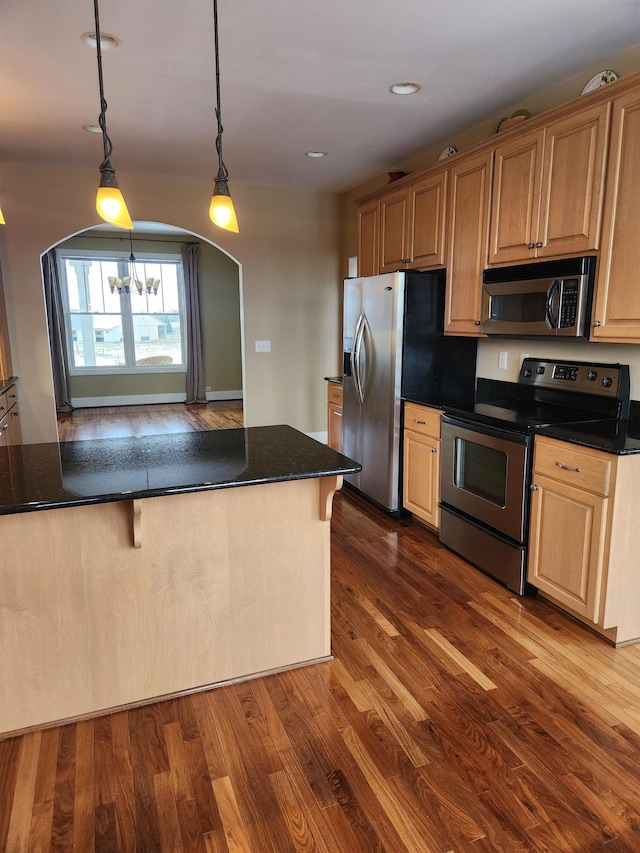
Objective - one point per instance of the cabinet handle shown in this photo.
(5, 426)
(597, 323)
(530, 245)
(434, 449)
(476, 322)
(567, 467)
(533, 488)
(1, 408)
(15, 414)
(406, 261)
(539, 245)
(419, 422)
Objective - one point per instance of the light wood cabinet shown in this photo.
(468, 234)
(421, 466)
(548, 189)
(334, 416)
(583, 542)
(616, 312)
(9, 418)
(368, 238)
(412, 225)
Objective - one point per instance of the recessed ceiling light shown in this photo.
(315, 154)
(107, 42)
(406, 87)
(92, 128)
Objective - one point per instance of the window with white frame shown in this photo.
(123, 323)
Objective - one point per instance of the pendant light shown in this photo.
(2, 222)
(221, 210)
(127, 282)
(110, 203)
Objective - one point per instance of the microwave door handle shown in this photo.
(552, 317)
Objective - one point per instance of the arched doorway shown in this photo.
(126, 344)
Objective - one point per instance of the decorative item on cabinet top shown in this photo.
(600, 79)
(395, 176)
(508, 122)
(449, 151)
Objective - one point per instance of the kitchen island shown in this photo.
(138, 568)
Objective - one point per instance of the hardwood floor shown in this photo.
(455, 717)
(123, 421)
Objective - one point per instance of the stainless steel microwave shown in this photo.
(536, 300)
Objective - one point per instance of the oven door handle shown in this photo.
(554, 291)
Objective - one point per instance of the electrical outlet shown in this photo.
(208, 388)
(263, 346)
(523, 355)
(502, 361)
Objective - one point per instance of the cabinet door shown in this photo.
(516, 198)
(566, 543)
(394, 231)
(368, 230)
(421, 487)
(573, 183)
(616, 313)
(427, 209)
(334, 424)
(14, 435)
(468, 234)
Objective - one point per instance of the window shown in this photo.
(110, 330)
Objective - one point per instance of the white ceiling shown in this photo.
(296, 75)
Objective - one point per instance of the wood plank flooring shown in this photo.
(455, 717)
(155, 419)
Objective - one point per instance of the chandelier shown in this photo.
(150, 284)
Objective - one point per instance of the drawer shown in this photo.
(577, 466)
(334, 393)
(422, 420)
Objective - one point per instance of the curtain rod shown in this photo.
(140, 239)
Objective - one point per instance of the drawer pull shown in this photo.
(567, 467)
(424, 423)
(5, 426)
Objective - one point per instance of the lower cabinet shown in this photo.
(583, 539)
(9, 418)
(421, 469)
(334, 415)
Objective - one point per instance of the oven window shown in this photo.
(481, 470)
(519, 307)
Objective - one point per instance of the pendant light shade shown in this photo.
(110, 202)
(2, 222)
(221, 210)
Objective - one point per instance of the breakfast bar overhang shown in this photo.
(138, 568)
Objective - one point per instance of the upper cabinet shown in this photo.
(548, 189)
(411, 226)
(368, 237)
(616, 311)
(468, 231)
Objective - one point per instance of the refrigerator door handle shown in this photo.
(363, 376)
(357, 344)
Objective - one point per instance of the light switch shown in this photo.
(502, 361)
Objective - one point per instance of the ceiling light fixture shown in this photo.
(110, 203)
(406, 87)
(150, 283)
(107, 42)
(314, 154)
(92, 128)
(221, 210)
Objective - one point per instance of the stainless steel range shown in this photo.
(487, 457)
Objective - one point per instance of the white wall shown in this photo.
(287, 246)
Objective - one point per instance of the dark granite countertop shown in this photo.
(336, 379)
(48, 476)
(6, 382)
(619, 437)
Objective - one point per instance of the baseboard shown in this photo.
(142, 399)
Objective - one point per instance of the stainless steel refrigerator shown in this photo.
(394, 347)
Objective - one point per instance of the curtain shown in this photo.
(195, 337)
(57, 333)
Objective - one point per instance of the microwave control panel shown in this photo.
(568, 303)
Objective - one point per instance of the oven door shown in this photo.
(485, 475)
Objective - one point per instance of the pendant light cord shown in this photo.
(222, 169)
(102, 120)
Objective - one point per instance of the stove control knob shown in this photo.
(540, 370)
(591, 375)
(527, 371)
(607, 382)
